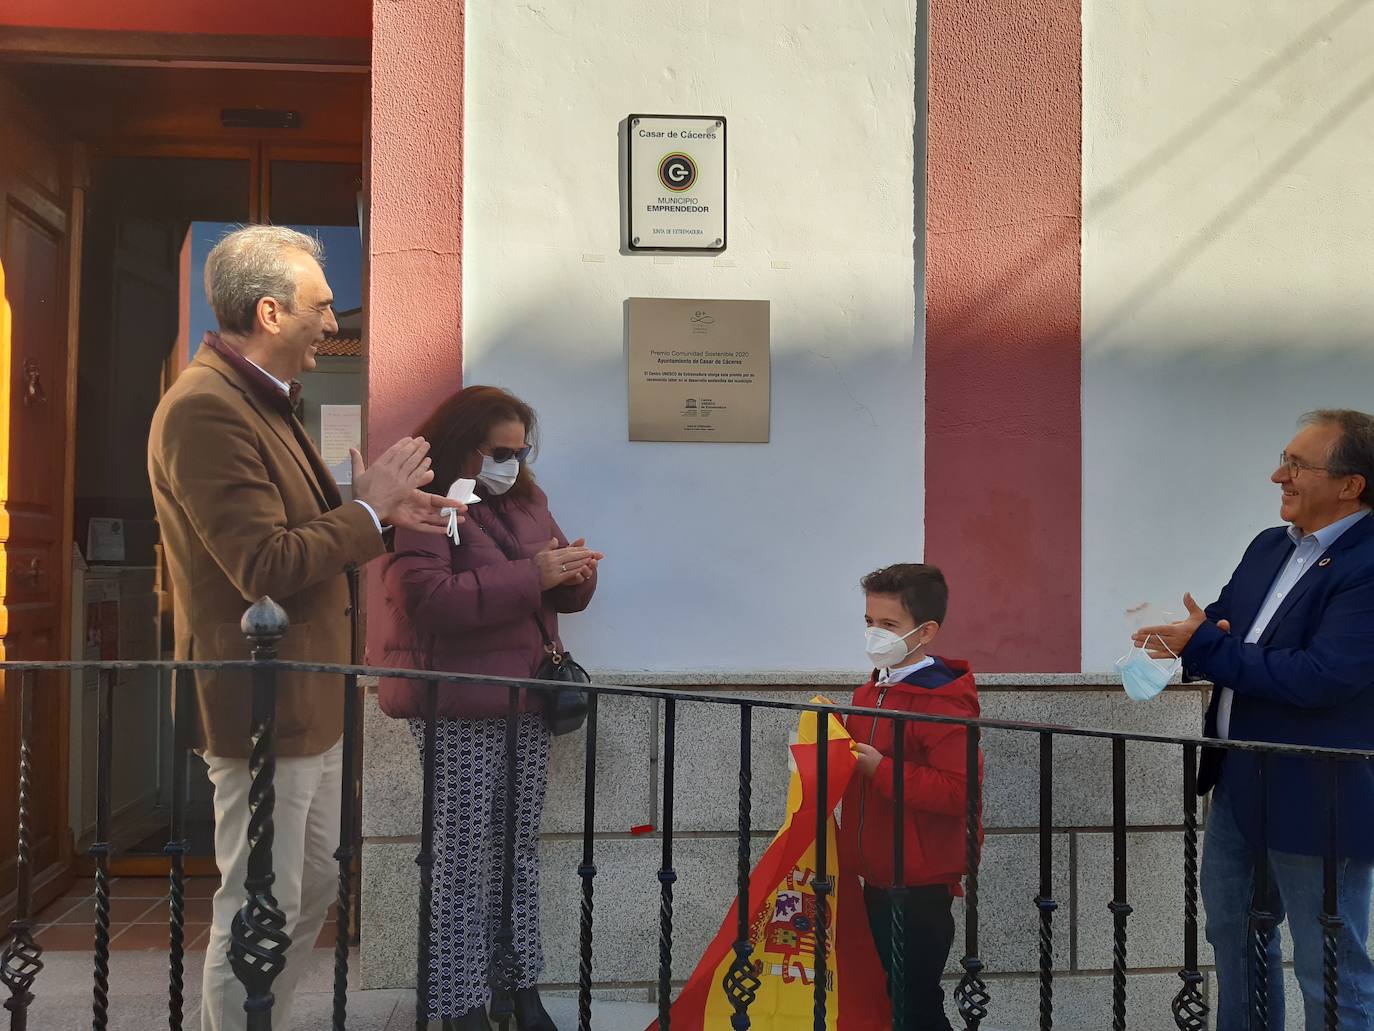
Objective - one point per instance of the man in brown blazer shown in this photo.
(247, 508)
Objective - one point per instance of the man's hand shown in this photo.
(391, 486)
(868, 758)
(559, 567)
(1167, 640)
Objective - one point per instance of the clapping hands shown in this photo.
(566, 566)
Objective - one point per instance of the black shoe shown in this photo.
(530, 1014)
(472, 1020)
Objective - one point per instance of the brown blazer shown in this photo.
(246, 511)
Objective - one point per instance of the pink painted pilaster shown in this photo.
(415, 175)
(1003, 429)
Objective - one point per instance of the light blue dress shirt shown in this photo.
(1307, 552)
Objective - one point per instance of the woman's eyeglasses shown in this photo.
(500, 455)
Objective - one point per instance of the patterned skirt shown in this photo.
(469, 832)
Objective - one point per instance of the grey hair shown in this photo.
(1353, 453)
(250, 263)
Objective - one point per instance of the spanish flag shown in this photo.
(784, 913)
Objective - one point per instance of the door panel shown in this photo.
(35, 226)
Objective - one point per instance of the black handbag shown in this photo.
(565, 709)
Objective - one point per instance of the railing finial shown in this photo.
(264, 622)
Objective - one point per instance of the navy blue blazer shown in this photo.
(1308, 680)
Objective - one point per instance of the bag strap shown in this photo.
(550, 645)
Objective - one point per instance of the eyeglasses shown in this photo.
(505, 454)
(1295, 467)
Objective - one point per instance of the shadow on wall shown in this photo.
(1245, 198)
(1061, 232)
(723, 556)
(1196, 128)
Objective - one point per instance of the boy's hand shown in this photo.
(869, 758)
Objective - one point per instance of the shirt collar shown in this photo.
(1328, 535)
(893, 676)
(280, 396)
(283, 387)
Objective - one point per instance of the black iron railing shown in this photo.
(258, 942)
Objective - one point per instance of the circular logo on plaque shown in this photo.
(677, 172)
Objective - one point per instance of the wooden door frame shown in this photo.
(52, 883)
(108, 47)
(288, 150)
(259, 153)
(117, 48)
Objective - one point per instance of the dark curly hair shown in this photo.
(460, 425)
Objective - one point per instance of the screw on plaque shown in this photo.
(635, 241)
(717, 125)
(635, 122)
(717, 242)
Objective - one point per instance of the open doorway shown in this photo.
(174, 156)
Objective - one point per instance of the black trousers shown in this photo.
(929, 934)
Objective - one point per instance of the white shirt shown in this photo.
(286, 389)
(1307, 552)
(900, 673)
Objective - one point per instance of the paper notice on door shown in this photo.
(105, 540)
(341, 428)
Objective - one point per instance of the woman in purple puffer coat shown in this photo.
(475, 607)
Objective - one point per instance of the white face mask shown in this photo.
(498, 477)
(885, 649)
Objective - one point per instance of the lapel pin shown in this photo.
(1324, 562)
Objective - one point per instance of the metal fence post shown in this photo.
(22, 959)
(900, 893)
(1331, 921)
(1190, 1011)
(505, 964)
(741, 983)
(183, 689)
(100, 850)
(1261, 918)
(971, 994)
(425, 860)
(1119, 907)
(1044, 901)
(667, 876)
(821, 885)
(258, 941)
(346, 852)
(587, 869)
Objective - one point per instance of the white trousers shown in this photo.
(305, 828)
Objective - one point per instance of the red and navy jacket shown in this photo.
(935, 780)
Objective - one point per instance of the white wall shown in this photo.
(735, 557)
(1227, 259)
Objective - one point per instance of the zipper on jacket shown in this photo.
(863, 790)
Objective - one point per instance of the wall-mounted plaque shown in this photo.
(676, 183)
(699, 370)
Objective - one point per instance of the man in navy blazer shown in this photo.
(1289, 646)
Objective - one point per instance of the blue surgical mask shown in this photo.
(1144, 677)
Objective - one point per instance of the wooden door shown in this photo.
(39, 235)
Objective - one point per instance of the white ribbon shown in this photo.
(460, 491)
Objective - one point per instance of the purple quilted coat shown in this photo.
(468, 608)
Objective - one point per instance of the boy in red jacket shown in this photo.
(905, 605)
